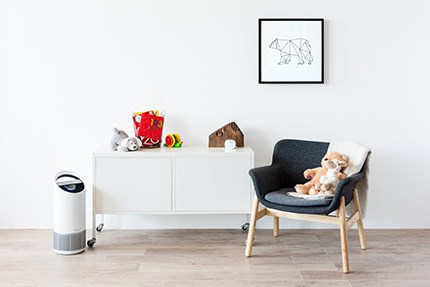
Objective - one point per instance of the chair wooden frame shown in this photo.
(339, 219)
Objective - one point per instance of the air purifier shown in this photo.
(69, 214)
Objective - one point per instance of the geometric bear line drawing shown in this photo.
(299, 47)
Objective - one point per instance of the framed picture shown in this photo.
(291, 51)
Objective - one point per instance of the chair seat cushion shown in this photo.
(283, 198)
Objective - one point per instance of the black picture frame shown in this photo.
(291, 51)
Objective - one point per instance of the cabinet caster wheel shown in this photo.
(100, 227)
(91, 242)
(245, 226)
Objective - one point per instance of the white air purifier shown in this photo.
(69, 214)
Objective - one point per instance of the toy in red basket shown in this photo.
(173, 140)
(148, 126)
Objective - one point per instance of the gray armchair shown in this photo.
(272, 184)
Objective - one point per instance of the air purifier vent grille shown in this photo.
(69, 243)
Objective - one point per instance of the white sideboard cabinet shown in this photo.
(187, 180)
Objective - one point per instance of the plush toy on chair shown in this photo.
(120, 141)
(329, 181)
(320, 182)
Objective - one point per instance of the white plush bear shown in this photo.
(331, 179)
(122, 142)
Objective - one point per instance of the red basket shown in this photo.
(148, 127)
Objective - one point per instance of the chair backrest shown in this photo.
(295, 156)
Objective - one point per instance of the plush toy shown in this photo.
(120, 141)
(329, 181)
(314, 185)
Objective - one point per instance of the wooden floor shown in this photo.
(216, 258)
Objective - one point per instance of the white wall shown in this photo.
(72, 70)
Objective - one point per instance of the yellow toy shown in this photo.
(173, 140)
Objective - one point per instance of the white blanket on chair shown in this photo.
(358, 157)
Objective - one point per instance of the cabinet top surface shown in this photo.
(175, 152)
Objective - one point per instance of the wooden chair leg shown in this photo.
(343, 236)
(275, 226)
(252, 224)
(360, 224)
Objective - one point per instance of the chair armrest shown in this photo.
(347, 186)
(266, 179)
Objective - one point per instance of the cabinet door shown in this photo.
(212, 184)
(132, 184)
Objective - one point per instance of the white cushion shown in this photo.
(356, 153)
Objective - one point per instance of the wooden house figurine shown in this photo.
(230, 131)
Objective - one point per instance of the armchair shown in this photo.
(290, 159)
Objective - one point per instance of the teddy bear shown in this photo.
(120, 141)
(314, 175)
